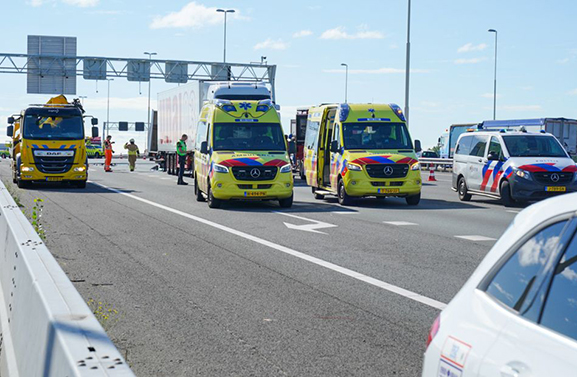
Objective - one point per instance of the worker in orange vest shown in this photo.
(108, 153)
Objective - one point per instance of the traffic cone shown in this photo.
(432, 176)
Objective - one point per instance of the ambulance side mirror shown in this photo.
(418, 146)
(10, 131)
(204, 147)
(334, 146)
(94, 131)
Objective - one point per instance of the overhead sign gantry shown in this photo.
(52, 67)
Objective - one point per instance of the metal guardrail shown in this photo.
(46, 328)
(438, 162)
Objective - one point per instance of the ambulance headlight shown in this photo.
(354, 167)
(416, 166)
(286, 169)
(27, 168)
(523, 174)
(220, 168)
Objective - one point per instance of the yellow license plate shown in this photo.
(388, 191)
(255, 193)
(53, 179)
(556, 188)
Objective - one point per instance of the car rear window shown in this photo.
(514, 280)
(560, 312)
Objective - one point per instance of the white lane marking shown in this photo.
(345, 212)
(399, 223)
(306, 227)
(167, 179)
(476, 238)
(345, 271)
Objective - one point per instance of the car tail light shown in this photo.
(434, 330)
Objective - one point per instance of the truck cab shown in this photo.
(48, 144)
(361, 150)
(241, 153)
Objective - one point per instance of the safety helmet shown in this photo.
(132, 141)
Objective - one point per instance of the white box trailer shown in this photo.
(565, 130)
(178, 111)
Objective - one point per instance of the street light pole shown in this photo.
(346, 79)
(495, 77)
(150, 54)
(107, 109)
(408, 64)
(225, 11)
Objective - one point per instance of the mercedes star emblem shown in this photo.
(255, 173)
(555, 177)
(388, 170)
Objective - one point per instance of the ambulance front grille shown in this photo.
(379, 170)
(254, 173)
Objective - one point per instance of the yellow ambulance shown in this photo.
(361, 150)
(241, 153)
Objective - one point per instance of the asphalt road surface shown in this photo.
(253, 290)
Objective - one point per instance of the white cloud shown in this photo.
(192, 15)
(490, 95)
(341, 33)
(36, 3)
(469, 61)
(134, 103)
(376, 71)
(522, 107)
(302, 33)
(271, 44)
(82, 3)
(471, 47)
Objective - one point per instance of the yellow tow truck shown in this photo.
(48, 143)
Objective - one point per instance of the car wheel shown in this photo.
(344, 198)
(287, 202)
(212, 201)
(464, 195)
(197, 192)
(413, 200)
(505, 191)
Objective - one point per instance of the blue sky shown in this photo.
(452, 52)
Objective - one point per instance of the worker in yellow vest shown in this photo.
(133, 153)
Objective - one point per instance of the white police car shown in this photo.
(517, 314)
(512, 166)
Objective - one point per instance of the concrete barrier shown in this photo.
(46, 328)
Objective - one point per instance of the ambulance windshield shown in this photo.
(376, 135)
(248, 137)
(533, 146)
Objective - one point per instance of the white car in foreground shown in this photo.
(517, 314)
